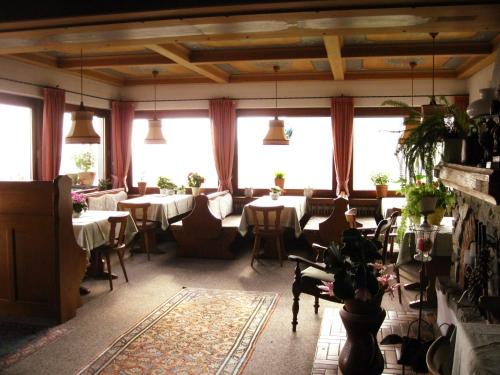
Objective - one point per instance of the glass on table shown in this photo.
(425, 237)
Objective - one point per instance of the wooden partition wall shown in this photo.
(41, 266)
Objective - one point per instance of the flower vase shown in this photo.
(195, 190)
(274, 196)
(76, 215)
(361, 353)
(163, 191)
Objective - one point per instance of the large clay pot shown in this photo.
(86, 178)
(280, 182)
(361, 354)
(381, 190)
(428, 204)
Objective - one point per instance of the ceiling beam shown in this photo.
(112, 61)
(476, 65)
(180, 55)
(415, 49)
(333, 45)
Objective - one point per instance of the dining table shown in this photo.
(164, 207)
(91, 231)
(294, 210)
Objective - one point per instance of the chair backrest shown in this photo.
(392, 220)
(266, 219)
(382, 227)
(116, 241)
(133, 208)
(332, 228)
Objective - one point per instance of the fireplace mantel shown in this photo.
(481, 183)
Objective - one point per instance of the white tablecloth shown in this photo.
(164, 207)
(477, 348)
(92, 229)
(442, 247)
(295, 208)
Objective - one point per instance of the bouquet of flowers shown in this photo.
(195, 180)
(79, 202)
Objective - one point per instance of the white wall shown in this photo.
(480, 80)
(291, 89)
(13, 69)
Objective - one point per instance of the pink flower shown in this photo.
(326, 288)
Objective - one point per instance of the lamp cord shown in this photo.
(276, 68)
(81, 76)
(433, 35)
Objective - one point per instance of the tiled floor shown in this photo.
(333, 336)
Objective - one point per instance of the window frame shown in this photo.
(288, 112)
(36, 106)
(373, 112)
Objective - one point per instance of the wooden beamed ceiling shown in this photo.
(376, 41)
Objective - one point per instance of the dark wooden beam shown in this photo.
(112, 61)
(258, 54)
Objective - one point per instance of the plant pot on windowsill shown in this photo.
(86, 178)
(280, 182)
(381, 190)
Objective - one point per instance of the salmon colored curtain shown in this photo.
(222, 114)
(461, 101)
(342, 116)
(122, 117)
(53, 114)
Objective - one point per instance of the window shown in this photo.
(16, 124)
(374, 145)
(306, 161)
(188, 149)
(70, 151)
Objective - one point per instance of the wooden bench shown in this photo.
(210, 229)
(105, 200)
(41, 265)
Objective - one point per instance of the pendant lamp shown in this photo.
(430, 109)
(155, 136)
(276, 133)
(410, 123)
(82, 130)
(488, 104)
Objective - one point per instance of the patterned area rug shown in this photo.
(19, 340)
(333, 336)
(197, 331)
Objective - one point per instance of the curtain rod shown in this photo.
(207, 99)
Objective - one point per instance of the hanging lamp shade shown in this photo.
(82, 130)
(155, 136)
(276, 133)
(431, 109)
(486, 105)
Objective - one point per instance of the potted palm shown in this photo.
(166, 186)
(381, 181)
(279, 179)
(84, 162)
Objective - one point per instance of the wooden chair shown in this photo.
(267, 224)
(307, 281)
(116, 244)
(146, 227)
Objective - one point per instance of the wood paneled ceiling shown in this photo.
(323, 40)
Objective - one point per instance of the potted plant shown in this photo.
(275, 192)
(79, 204)
(166, 186)
(360, 283)
(84, 162)
(422, 197)
(181, 190)
(194, 182)
(104, 184)
(381, 181)
(279, 179)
